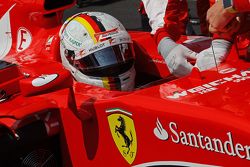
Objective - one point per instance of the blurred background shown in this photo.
(126, 11)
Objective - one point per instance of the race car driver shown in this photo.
(97, 50)
(168, 22)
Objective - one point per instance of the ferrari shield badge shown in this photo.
(123, 132)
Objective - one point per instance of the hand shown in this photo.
(220, 20)
(176, 57)
(218, 52)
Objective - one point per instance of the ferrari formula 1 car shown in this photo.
(49, 120)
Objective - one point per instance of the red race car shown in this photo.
(47, 119)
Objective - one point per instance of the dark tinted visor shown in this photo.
(110, 61)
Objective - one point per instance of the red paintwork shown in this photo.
(81, 109)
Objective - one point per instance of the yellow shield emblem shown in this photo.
(123, 132)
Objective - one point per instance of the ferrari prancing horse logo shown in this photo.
(123, 132)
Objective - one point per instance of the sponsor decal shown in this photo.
(44, 80)
(198, 140)
(74, 42)
(103, 36)
(212, 86)
(24, 39)
(97, 47)
(123, 132)
(227, 70)
(160, 132)
(5, 34)
(173, 164)
(70, 40)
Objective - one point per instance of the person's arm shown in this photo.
(163, 18)
(214, 55)
(222, 15)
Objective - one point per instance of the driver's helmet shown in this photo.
(98, 50)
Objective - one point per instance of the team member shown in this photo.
(97, 50)
(196, 22)
(227, 18)
(222, 15)
(168, 21)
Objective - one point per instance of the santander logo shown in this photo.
(224, 144)
(24, 39)
(159, 131)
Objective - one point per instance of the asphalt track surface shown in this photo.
(124, 10)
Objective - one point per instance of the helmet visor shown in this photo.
(110, 61)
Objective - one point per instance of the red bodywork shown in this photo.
(199, 120)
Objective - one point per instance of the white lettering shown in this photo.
(216, 143)
(174, 132)
(248, 152)
(227, 70)
(207, 86)
(192, 138)
(244, 73)
(217, 82)
(238, 148)
(177, 95)
(228, 145)
(208, 144)
(183, 138)
(200, 137)
(196, 89)
(207, 90)
(212, 86)
(235, 76)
